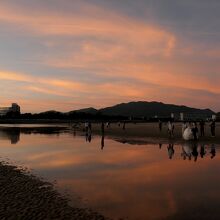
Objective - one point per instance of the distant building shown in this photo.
(193, 116)
(14, 109)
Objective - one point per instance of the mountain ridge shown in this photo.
(145, 109)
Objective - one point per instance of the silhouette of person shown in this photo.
(195, 131)
(212, 152)
(89, 136)
(195, 152)
(160, 145)
(212, 125)
(170, 128)
(102, 128)
(202, 128)
(202, 150)
(102, 141)
(90, 126)
(124, 126)
(86, 126)
(160, 125)
(171, 151)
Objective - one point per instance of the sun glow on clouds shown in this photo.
(121, 58)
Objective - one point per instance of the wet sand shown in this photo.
(25, 196)
(149, 133)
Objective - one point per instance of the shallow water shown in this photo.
(121, 180)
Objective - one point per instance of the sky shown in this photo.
(73, 54)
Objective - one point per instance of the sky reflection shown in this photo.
(122, 180)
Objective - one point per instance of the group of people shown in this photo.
(190, 130)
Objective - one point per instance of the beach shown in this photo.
(149, 132)
(24, 196)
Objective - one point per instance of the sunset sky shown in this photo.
(71, 54)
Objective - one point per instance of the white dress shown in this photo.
(187, 134)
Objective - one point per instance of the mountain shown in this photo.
(150, 109)
(86, 110)
(125, 110)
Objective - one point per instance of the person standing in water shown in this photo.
(212, 125)
(195, 132)
(123, 126)
(202, 128)
(160, 125)
(173, 127)
(103, 128)
(90, 126)
(170, 128)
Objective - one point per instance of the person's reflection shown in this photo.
(102, 141)
(195, 151)
(202, 150)
(89, 137)
(183, 154)
(171, 151)
(212, 152)
(160, 145)
(187, 151)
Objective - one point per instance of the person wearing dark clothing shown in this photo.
(90, 126)
(103, 128)
(213, 128)
(123, 126)
(202, 128)
(195, 132)
(160, 125)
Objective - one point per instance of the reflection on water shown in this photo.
(174, 181)
(10, 134)
(13, 133)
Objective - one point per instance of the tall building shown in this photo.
(14, 109)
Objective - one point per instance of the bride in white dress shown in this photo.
(187, 132)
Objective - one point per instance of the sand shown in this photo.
(25, 196)
(149, 133)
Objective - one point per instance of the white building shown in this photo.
(15, 108)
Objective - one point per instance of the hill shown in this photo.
(150, 109)
(86, 110)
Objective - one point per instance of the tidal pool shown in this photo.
(121, 180)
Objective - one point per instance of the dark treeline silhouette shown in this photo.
(149, 111)
(75, 115)
(59, 115)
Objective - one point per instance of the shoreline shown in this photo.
(25, 196)
(148, 133)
